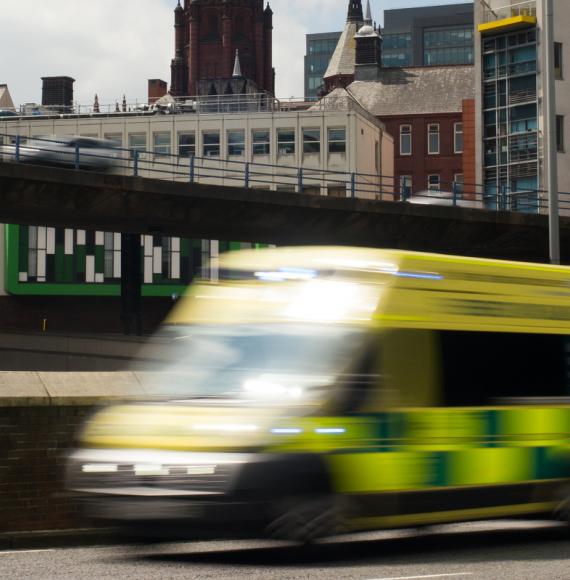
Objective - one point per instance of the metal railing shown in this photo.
(198, 105)
(89, 154)
(510, 10)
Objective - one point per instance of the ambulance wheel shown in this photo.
(306, 519)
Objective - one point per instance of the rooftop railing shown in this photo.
(509, 10)
(198, 105)
(81, 153)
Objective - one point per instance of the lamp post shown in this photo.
(550, 127)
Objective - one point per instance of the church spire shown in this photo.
(368, 19)
(355, 11)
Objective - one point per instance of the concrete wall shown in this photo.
(562, 34)
(39, 415)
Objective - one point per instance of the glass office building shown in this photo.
(428, 36)
(320, 48)
(510, 117)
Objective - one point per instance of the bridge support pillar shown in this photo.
(131, 282)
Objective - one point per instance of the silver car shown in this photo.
(84, 152)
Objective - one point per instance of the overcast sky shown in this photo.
(111, 47)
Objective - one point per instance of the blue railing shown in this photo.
(82, 153)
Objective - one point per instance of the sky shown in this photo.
(111, 47)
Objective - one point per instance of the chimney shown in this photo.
(57, 93)
(156, 89)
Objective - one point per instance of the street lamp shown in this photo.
(550, 100)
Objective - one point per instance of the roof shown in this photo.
(413, 91)
(343, 59)
(5, 98)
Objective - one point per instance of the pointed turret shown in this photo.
(355, 11)
(368, 19)
(340, 72)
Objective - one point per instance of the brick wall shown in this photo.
(447, 164)
(40, 414)
(76, 314)
(33, 443)
(469, 145)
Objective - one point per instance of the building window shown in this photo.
(458, 137)
(286, 141)
(445, 46)
(311, 141)
(137, 142)
(186, 144)
(406, 182)
(115, 138)
(434, 182)
(558, 61)
(261, 143)
(405, 139)
(337, 140)
(161, 144)
(236, 143)
(560, 133)
(458, 183)
(433, 139)
(211, 142)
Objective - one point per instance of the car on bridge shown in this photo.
(68, 151)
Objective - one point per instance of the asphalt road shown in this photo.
(477, 551)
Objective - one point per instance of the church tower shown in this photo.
(340, 72)
(207, 35)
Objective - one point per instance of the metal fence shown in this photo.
(510, 10)
(82, 153)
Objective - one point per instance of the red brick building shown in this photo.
(429, 111)
(207, 35)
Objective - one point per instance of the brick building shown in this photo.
(208, 35)
(429, 110)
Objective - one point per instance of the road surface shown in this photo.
(517, 550)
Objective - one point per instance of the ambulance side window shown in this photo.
(487, 368)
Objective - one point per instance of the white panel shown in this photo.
(50, 245)
(157, 266)
(68, 242)
(23, 277)
(99, 278)
(215, 248)
(175, 244)
(148, 245)
(80, 237)
(148, 270)
(90, 269)
(175, 265)
(117, 241)
(42, 238)
(117, 265)
(41, 263)
(99, 238)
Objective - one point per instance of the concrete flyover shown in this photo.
(51, 196)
